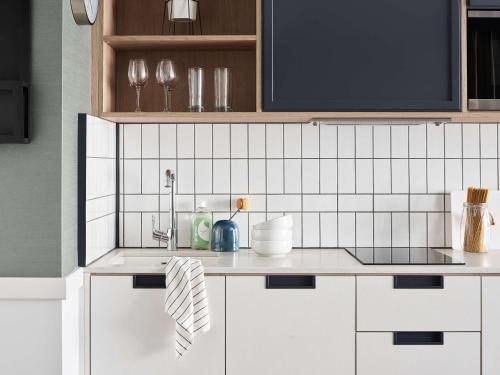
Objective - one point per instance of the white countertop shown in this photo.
(300, 261)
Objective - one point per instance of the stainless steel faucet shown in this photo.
(170, 184)
(170, 236)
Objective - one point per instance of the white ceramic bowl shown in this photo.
(271, 248)
(272, 234)
(282, 222)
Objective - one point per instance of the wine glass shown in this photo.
(138, 75)
(167, 77)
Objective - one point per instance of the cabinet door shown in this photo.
(491, 325)
(361, 55)
(290, 331)
(132, 335)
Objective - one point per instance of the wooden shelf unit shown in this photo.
(129, 29)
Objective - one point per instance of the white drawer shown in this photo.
(378, 355)
(383, 306)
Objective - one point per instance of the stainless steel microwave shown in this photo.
(483, 59)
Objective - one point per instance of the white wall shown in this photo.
(41, 325)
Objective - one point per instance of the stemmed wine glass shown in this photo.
(166, 76)
(138, 75)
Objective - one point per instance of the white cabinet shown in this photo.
(459, 354)
(452, 305)
(491, 325)
(132, 335)
(289, 327)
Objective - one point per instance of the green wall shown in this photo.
(38, 180)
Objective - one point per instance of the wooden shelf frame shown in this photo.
(293, 117)
(149, 42)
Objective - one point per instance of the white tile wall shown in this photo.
(344, 185)
(100, 213)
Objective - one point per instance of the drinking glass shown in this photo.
(195, 83)
(138, 75)
(166, 76)
(222, 90)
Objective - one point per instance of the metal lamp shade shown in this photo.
(182, 10)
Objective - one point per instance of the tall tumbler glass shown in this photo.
(195, 83)
(222, 90)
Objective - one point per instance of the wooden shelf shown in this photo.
(149, 42)
(291, 117)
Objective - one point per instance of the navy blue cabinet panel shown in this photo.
(361, 55)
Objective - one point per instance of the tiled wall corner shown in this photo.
(100, 215)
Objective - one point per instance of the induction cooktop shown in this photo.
(403, 255)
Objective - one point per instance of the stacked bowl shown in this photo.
(273, 237)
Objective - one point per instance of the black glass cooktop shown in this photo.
(402, 256)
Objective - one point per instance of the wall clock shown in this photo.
(85, 11)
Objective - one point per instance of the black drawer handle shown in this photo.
(418, 282)
(290, 282)
(149, 282)
(418, 338)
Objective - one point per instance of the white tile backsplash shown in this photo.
(293, 176)
(274, 179)
(221, 141)
(453, 140)
(310, 141)
(257, 176)
(239, 140)
(364, 176)
(470, 139)
(328, 222)
(310, 176)
(471, 172)
(132, 141)
(381, 229)
(489, 171)
(328, 141)
(151, 141)
(185, 141)
(256, 140)
(185, 176)
(292, 141)
(382, 141)
(435, 141)
(364, 141)
(203, 140)
(489, 140)
(274, 140)
(344, 185)
(346, 141)
(239, 176)
(399, 141)
(203, 176)
(221, 176)
(346, 176)
(328, 176)
(168, 141)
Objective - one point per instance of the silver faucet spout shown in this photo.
(170, 183)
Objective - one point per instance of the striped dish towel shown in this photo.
(186, 300)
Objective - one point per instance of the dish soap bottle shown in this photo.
(201, 228)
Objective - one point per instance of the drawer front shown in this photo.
(458, 354)
(290, 325)
(418, 303)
